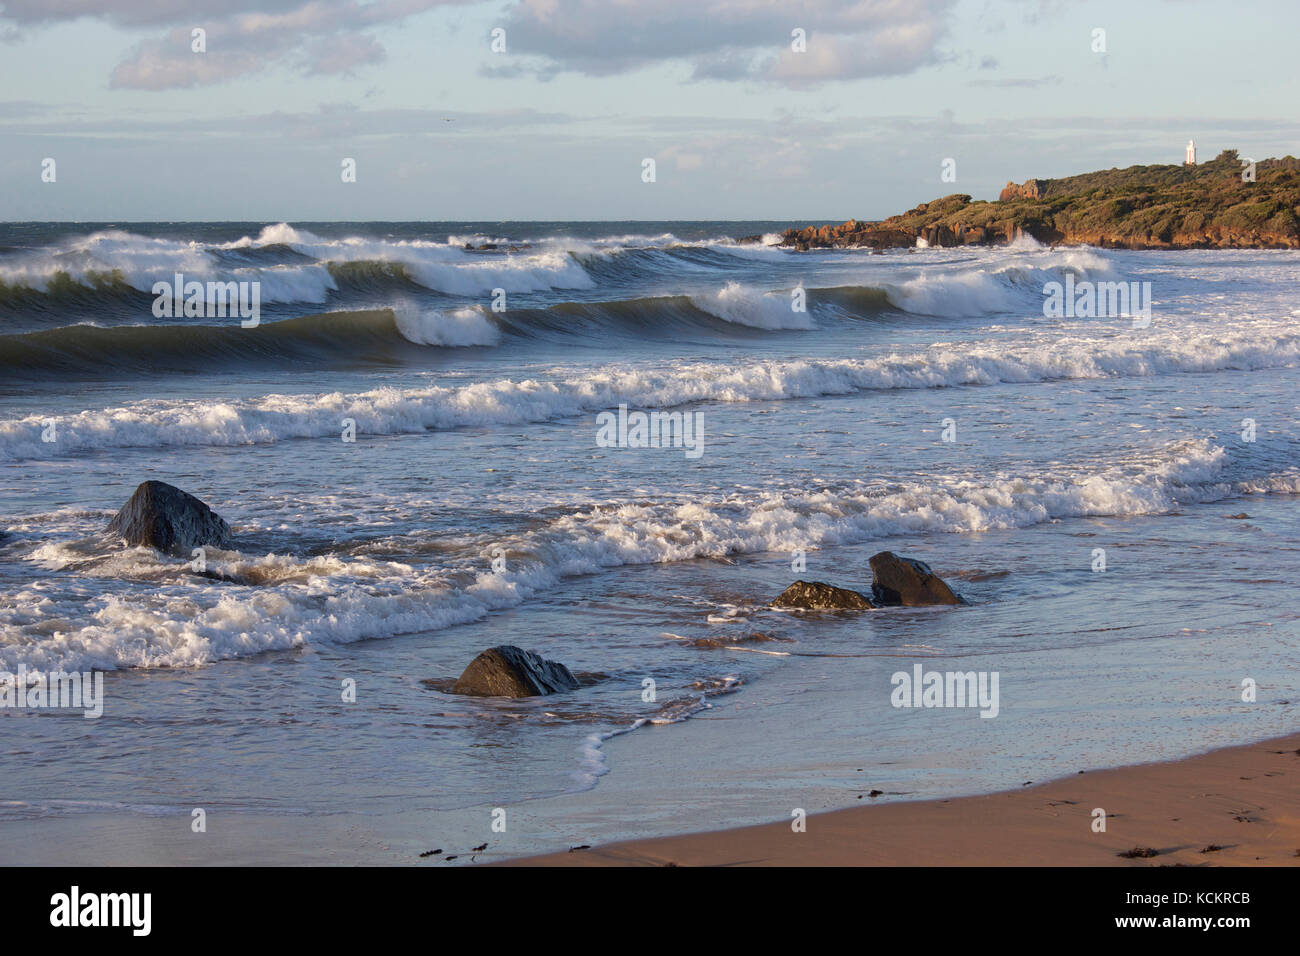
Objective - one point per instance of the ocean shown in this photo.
(1113, 495)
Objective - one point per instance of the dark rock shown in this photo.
(1140, 853)
(816, 596)
(212, 575)
(907, 582)
(509, 671)
(848, 235)
(939, 235)
(162, 516)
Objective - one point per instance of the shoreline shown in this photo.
(1244, 800)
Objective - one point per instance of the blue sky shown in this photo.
(740, 125)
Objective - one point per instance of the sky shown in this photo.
(797, 110)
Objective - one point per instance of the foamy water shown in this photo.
(823, 436)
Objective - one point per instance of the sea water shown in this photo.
(1115, 501)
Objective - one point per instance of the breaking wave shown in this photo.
(164, 621)
(569, 394)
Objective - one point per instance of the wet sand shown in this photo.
(1243, 800)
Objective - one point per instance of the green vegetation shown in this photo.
(1148, 205)
(1208, 205)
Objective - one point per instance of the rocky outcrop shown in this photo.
(816, 596)
(1030, 189)
(509, 671)
(851, 234)
(498, 247)
(1213, 205)
(905, 581)
(162, 516)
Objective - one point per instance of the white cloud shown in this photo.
(727, 39)
(243, 36)
(716, 39)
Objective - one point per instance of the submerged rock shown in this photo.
(162, 516)
(816, 596)
(509, 671)
(905, 581)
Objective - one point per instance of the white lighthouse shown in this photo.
(1191, 153)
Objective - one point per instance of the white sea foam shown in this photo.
(548, 264)
(280, 233)
(140, 261)
(1012, 283)
(591, 756)
(444, 266)
(753, 307)
(1047, 356)
(69, 621)
(465, 326)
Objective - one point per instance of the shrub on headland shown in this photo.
(1211, 205)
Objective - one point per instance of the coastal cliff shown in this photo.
(1141, 207)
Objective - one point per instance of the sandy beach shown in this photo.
(1239, 806)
